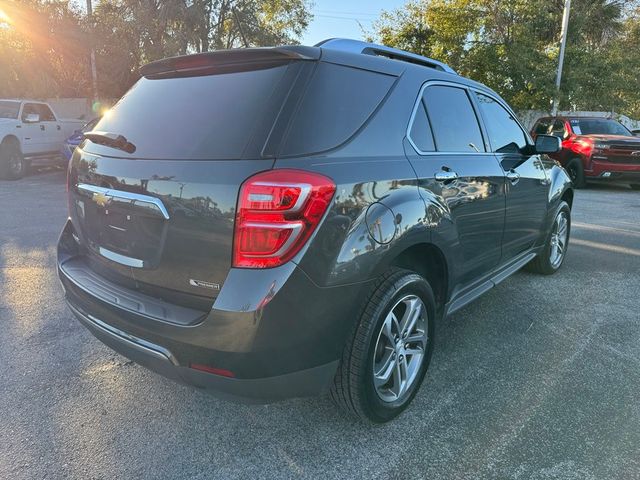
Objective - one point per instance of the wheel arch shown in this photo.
(560, 188)
(429, 261)
(10, 138)
(567, 196)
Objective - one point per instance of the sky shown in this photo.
(344, 18)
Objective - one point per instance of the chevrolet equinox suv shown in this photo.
(282, 222)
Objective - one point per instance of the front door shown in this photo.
(453, 166)
(527, 185)
(34, 140)
(52, 137)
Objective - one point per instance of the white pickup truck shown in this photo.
(30, 131)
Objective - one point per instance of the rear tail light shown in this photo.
(278, 210)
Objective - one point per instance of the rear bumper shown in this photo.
(309, 382)
(274, 330)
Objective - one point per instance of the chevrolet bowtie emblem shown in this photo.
(101, 199)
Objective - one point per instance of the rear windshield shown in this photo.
(191, 118)
(9, 109)
(591, 126)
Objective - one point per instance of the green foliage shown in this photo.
(39, 50)
(44, 51)
(512, 46)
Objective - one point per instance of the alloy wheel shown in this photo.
(559, 236)
(400, 349)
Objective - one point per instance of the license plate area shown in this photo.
(124, 227)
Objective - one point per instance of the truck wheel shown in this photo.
(576, 173)
(550, 259)
(635, 186)
(12, 164)
(389, 350)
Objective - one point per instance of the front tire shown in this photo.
(552, 256)
(389, 350)
(12, 163)
(576, 173)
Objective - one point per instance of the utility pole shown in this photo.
(563, 43)
(239, 23)
(94, 72)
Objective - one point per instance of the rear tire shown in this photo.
(385, 360)
(576, 173)
(635, 186)
(12, 163)
(551, 258)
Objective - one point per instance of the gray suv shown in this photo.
(282, 222)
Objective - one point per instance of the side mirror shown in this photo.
(548, 144)
(32, 118)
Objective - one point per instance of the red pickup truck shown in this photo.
(594, 148)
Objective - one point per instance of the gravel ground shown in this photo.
(538, 379)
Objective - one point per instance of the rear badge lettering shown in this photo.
(203, 284)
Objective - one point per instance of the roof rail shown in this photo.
(357, 46)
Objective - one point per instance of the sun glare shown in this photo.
(4, 18)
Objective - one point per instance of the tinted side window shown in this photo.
(338, 101)
(454, 122)
(505, 134)
(28, 109)
(46, 115)
(9, 109)
(420, 133)
(542, 127)
(558, 129)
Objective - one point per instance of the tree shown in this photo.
(44, 49)
(134, 32)
(39, 50)
(512, 46)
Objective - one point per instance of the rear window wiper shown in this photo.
(112, 140)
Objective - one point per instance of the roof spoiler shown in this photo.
(222, 61)
(357, 46)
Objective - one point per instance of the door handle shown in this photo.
(513, 176)
(57, 127)
(445, 176)
(42, 127)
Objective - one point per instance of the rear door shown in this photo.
(527, 184)
(452, 162)
(162, 215)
